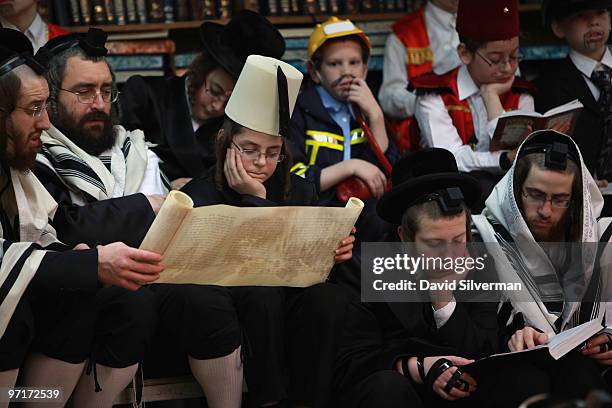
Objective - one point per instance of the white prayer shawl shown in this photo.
(116, 172)
(501, 207)
(35, 207)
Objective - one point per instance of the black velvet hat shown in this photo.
(424, 173)
(15, 50)
(92, 43)
(247, 33)
(552, 9)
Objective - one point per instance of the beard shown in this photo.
(555, 233)
(16, 150)
(93, 139)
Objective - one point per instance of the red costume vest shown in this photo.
(459, 110)
(412, 32)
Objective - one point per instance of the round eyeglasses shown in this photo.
(256, 154)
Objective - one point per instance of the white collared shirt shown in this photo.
(587, 65)
(37, 32)
(442, 315)
(395, 99)
(437, 129)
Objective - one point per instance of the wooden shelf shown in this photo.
(530, 7)
(276, 20)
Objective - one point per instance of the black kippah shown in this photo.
(91, 43)
(450, 200)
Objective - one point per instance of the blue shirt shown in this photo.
(341, 113)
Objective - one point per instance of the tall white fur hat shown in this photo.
(255, 101)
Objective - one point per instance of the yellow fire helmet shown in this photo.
(334, 28)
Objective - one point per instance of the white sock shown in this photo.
(42, 371)
(221, 379)
(8, 379)
(112, 381)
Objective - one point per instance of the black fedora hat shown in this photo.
(419, 174)
(552, 9)
(247, 33)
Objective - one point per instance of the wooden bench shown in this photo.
(163, 389)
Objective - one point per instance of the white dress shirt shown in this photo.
(437, 129)
(395, 99)
(587, 65)
(37, 32)
(152, 180)
(442, 315)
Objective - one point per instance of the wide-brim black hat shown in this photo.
(247, 33)
(552, 9)
(421, 173)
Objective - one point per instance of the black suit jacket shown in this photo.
(564, 83)
(377, 334)
(159, 107)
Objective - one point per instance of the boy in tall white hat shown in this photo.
(216, 321)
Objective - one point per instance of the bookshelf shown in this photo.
(276, 20)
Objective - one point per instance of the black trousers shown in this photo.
(284, 333)
(314, 322)
(207, 322)
(113, 327)
(125, 324)
(17, 337)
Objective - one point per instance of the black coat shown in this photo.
(126, 219)
(204, 192)
(564, 83)
(159, 107)
(377, 334)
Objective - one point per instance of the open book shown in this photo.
(557, 346)
(244, 246)
(514, 126)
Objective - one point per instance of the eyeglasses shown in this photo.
(255, 154)
(89, 96)
(35, 111)
(539, 199)
(217, 96)
(501, 63)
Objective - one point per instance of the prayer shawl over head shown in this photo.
(521, 259)
(29, 200)
(116, 172)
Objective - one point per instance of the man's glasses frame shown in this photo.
(539, 200)
(88, 97)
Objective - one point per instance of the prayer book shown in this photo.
(514, 126)
(558, 346)
(248, 246)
